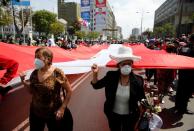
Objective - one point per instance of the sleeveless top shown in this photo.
(46, 95)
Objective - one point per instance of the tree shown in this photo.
(166, 30)
(4, 2)
(80, 34)
(5, 17)
(192, 17)
(93, 35)
(169, 30)
(76, 25)
(21, 18)
(132, 38)
(148, 33)
(158, 31)
(57, 28)
(42, 21)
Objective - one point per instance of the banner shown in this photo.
(100, 18)
(86, 15)
(100, 3)
(85, 3)
(21, 2)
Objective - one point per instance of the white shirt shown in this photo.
(121, 105)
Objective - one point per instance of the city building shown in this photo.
(135, 32)
(119, 35)
(100, 17)
(69, 11)
(178, 13)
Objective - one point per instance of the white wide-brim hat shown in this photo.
(124, 53)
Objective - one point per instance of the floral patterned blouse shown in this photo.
(46, 95)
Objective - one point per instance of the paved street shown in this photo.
(86, 106)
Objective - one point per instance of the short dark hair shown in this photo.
(47, 53)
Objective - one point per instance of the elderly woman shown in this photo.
(45, 84)
(123, 90)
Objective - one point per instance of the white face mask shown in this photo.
(38, 63)
(126, 70)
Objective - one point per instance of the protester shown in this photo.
(185, 81)
(45, 85)
(165, 77)
(11, 67)
(123, 90)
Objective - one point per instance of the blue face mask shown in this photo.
(38, 63)
(126, 70)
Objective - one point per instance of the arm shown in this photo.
(66, 86)
(26, 83)
(95, 70)
(62, 79)
(98, 84)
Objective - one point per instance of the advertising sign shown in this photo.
(100, 17)
(21, 2)
(85, 3)
(85, 15)
(100, 3)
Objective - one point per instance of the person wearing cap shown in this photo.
(123, 90)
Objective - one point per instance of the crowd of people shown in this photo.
(166, 79)
(123, 88)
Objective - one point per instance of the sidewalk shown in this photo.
(173, 122)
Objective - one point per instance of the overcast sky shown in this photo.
(125, 12)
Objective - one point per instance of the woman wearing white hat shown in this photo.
(123, 90)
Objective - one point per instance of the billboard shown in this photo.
(85, 15)
(21, 2)
(100, 3)
(100, 18)
(85, 3)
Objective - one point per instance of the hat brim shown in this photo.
(120, 58)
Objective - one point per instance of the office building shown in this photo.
(178, 13)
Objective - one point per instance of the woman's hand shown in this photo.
(95, 68)
(22, 76)
(60, 113)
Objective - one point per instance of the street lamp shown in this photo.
(142, 13)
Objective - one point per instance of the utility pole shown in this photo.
(12, 8)
(23, 25)
(141, 30)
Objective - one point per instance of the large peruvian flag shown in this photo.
(81, 59)
(157, 59)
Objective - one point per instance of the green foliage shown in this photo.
(148, 33)
(5, 17)
(80, 34)
(76, 25)
(93, 35)
(4, 2)
(164, 30)
(42, 21)
(192, 17)
(169, 29)
(132, 38)
(57, 28)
